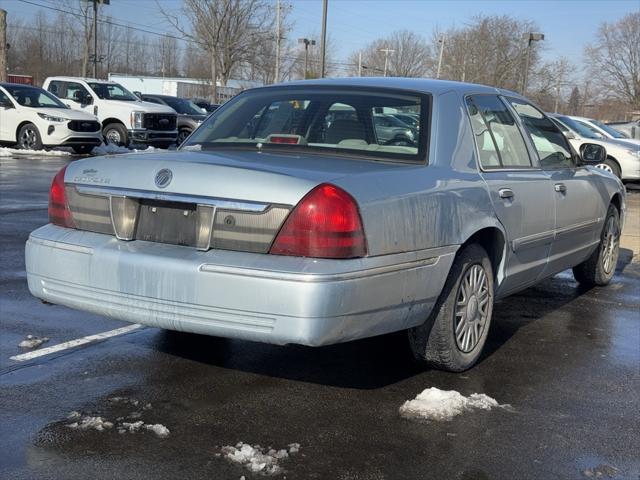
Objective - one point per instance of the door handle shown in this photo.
(505, 193)
(560, 187)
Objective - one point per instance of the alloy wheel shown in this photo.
(610, 245)
(472, 308)
(28, 139)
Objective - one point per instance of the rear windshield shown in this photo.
(348, 121)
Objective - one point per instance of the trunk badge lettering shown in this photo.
(163, 178)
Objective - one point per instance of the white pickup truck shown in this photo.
(124, 117)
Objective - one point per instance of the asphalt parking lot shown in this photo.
(565, 360)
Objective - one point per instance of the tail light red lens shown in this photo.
(325, 224)
(59, 213)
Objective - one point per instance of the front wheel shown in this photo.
(115, 133)
(29, 137)
(610, 166)
(182, 136)
(454, 335)
(598, 269)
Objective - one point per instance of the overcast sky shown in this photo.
(568, 25)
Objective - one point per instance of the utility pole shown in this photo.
(306, 42)
(96, 59)
(359, 64)
(277, 75)
(533, 37)
(323, 40)
(3, 45)
(441, 41)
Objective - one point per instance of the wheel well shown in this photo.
(616, 201)
(112, 120)
(492, 240)
(609, 157)
(22, 124)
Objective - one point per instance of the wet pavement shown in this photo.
(566, 360)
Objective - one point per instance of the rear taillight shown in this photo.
(59, 213)
(325, 224)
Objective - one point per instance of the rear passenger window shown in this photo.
(551, 145)
(500, 143)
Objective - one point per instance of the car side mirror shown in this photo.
(592, 153)
(87, 100)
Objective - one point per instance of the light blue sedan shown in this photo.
(285, 219)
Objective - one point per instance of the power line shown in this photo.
(337, 65)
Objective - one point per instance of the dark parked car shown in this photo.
(190, 116)
(208, 106)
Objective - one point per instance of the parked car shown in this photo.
(413, 121)
(390, 129)
(628, 129)
(190, 116)
(206, 105)
(34, 119)
(605, 131)
(124, 117)
(623, 158)
(304, 236)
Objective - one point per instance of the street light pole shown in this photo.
(323, 40)
(277, 73)
(533, 37)
(306, 42)
(386, 51)
(441, 40)
(95, 38)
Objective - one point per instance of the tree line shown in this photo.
(238, 39)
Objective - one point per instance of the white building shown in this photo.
(180, 87)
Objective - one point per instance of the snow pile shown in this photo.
(88, 422)
(85, 422)
(10, 152)
(113, 149)
(32, 342)
(256, 459)
(439, 405)
(134, 427)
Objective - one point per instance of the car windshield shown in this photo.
(578, 128)
(112, 91)
(34, 97)
(180, 105)
(319, 119)
(611, 131)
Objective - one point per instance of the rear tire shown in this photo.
(454, 335)
(598, 269)
(115, 133)
(29, 137)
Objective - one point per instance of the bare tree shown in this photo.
(615, 58)
(228, 30)
(408, 55)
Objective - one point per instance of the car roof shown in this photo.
(426, 85)
(84, 79)
(9, 84)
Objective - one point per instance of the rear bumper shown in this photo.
(250, 296)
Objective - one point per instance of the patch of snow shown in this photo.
(159, 429)
(131, 427)
(256, 459)
(10, 152)
(192, 148)
(108, 149)
(88, 422)
(443, 405)
(32, 342)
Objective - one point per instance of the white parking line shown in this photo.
(75, 343)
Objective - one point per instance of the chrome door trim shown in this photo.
(534, 240)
